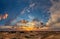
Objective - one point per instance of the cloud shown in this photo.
(31, 17)
(55, 14)
(0, 17)
(27, 9)
(32, 5)
(23, 11)
(3, 16)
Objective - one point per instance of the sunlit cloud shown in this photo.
(55, 14)
(0, 17)
(3, 16)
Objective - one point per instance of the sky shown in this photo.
(24, 9)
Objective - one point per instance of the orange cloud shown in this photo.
(3, 16)
(0, 17)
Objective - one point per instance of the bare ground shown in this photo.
(29, 34)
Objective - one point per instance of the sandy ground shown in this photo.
(29, 35)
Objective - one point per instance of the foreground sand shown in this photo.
(29, 35)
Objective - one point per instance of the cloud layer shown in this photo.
(55, 13)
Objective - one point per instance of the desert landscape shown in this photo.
(29, 19)
(29, 35)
